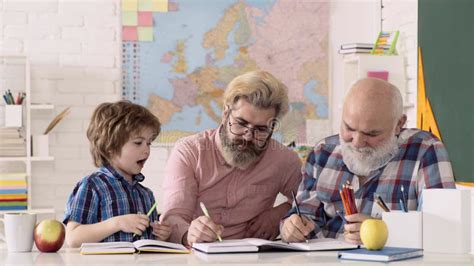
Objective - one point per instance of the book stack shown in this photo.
(386, 43)
(356, 48)
(13, 191)
(12, 144)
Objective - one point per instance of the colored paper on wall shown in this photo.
(378, 74)
(129, 18)
(145, 5)
(145, 19)
(129, 5)
(160, 5)
(129, 33)
(145, 34)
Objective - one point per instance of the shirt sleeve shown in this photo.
(435, 169)
(309, 204)
(83, 204)
(180, 189)
(293, 176)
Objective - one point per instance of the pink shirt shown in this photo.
(197, 172)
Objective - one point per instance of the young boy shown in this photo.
(111, 204)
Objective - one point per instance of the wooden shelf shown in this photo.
(12, 159)
(42, 159)
(42, 107)
(21, 69)
(23, 159)
(36, 211)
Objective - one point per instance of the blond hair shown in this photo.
(113, 124)
(259, 88)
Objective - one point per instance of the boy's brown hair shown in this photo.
(113, 124)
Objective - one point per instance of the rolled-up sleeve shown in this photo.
(180, 189)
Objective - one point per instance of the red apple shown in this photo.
(49, 235)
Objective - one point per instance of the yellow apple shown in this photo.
(374, 234)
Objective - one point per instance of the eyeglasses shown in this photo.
(259, 133)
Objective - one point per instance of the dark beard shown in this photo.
(239, 158)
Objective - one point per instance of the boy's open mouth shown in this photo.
(141, 162)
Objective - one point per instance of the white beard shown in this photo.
(363, 161)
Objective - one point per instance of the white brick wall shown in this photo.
(403, 16)
(74, 49)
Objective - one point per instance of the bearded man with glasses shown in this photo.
(236, 170)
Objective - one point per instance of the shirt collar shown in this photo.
(136, 178)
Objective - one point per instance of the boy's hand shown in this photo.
(132, 223)
(161, 230)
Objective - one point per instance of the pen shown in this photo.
(12, 101)
(404, 199)
(342, 216)
(204, 210)
(150, 212)
(6, 100)
(381, 203)
(402, 205)
(298, 210)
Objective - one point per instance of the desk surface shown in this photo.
(72, 257)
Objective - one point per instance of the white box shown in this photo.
(40, 145)
(405, 229)
(446, 220)
(13, 115)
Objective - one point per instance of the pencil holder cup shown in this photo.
(446, 220)
(13, 115)
(40, 145)
(405, 229)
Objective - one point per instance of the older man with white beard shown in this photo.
(236, 170)
(373, 153)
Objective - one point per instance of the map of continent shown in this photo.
(198, 47)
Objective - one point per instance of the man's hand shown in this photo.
(203, 229)
(296, 228)
(132, 223)
(266, 224)
(352, 228)
(161, 230)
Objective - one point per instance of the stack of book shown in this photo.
(356, 48)
(12, 143)
(386, 43)
(13, 192)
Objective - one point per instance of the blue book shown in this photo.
(386, 254)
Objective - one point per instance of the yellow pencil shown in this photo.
(149, 212)
(204, 210)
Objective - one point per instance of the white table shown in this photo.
(68, 256)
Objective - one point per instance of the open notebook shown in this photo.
(256, 245)
(143, 245)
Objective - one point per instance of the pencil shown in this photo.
(153, 207)
(298, 210)
(381, 203)
(204, 210)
